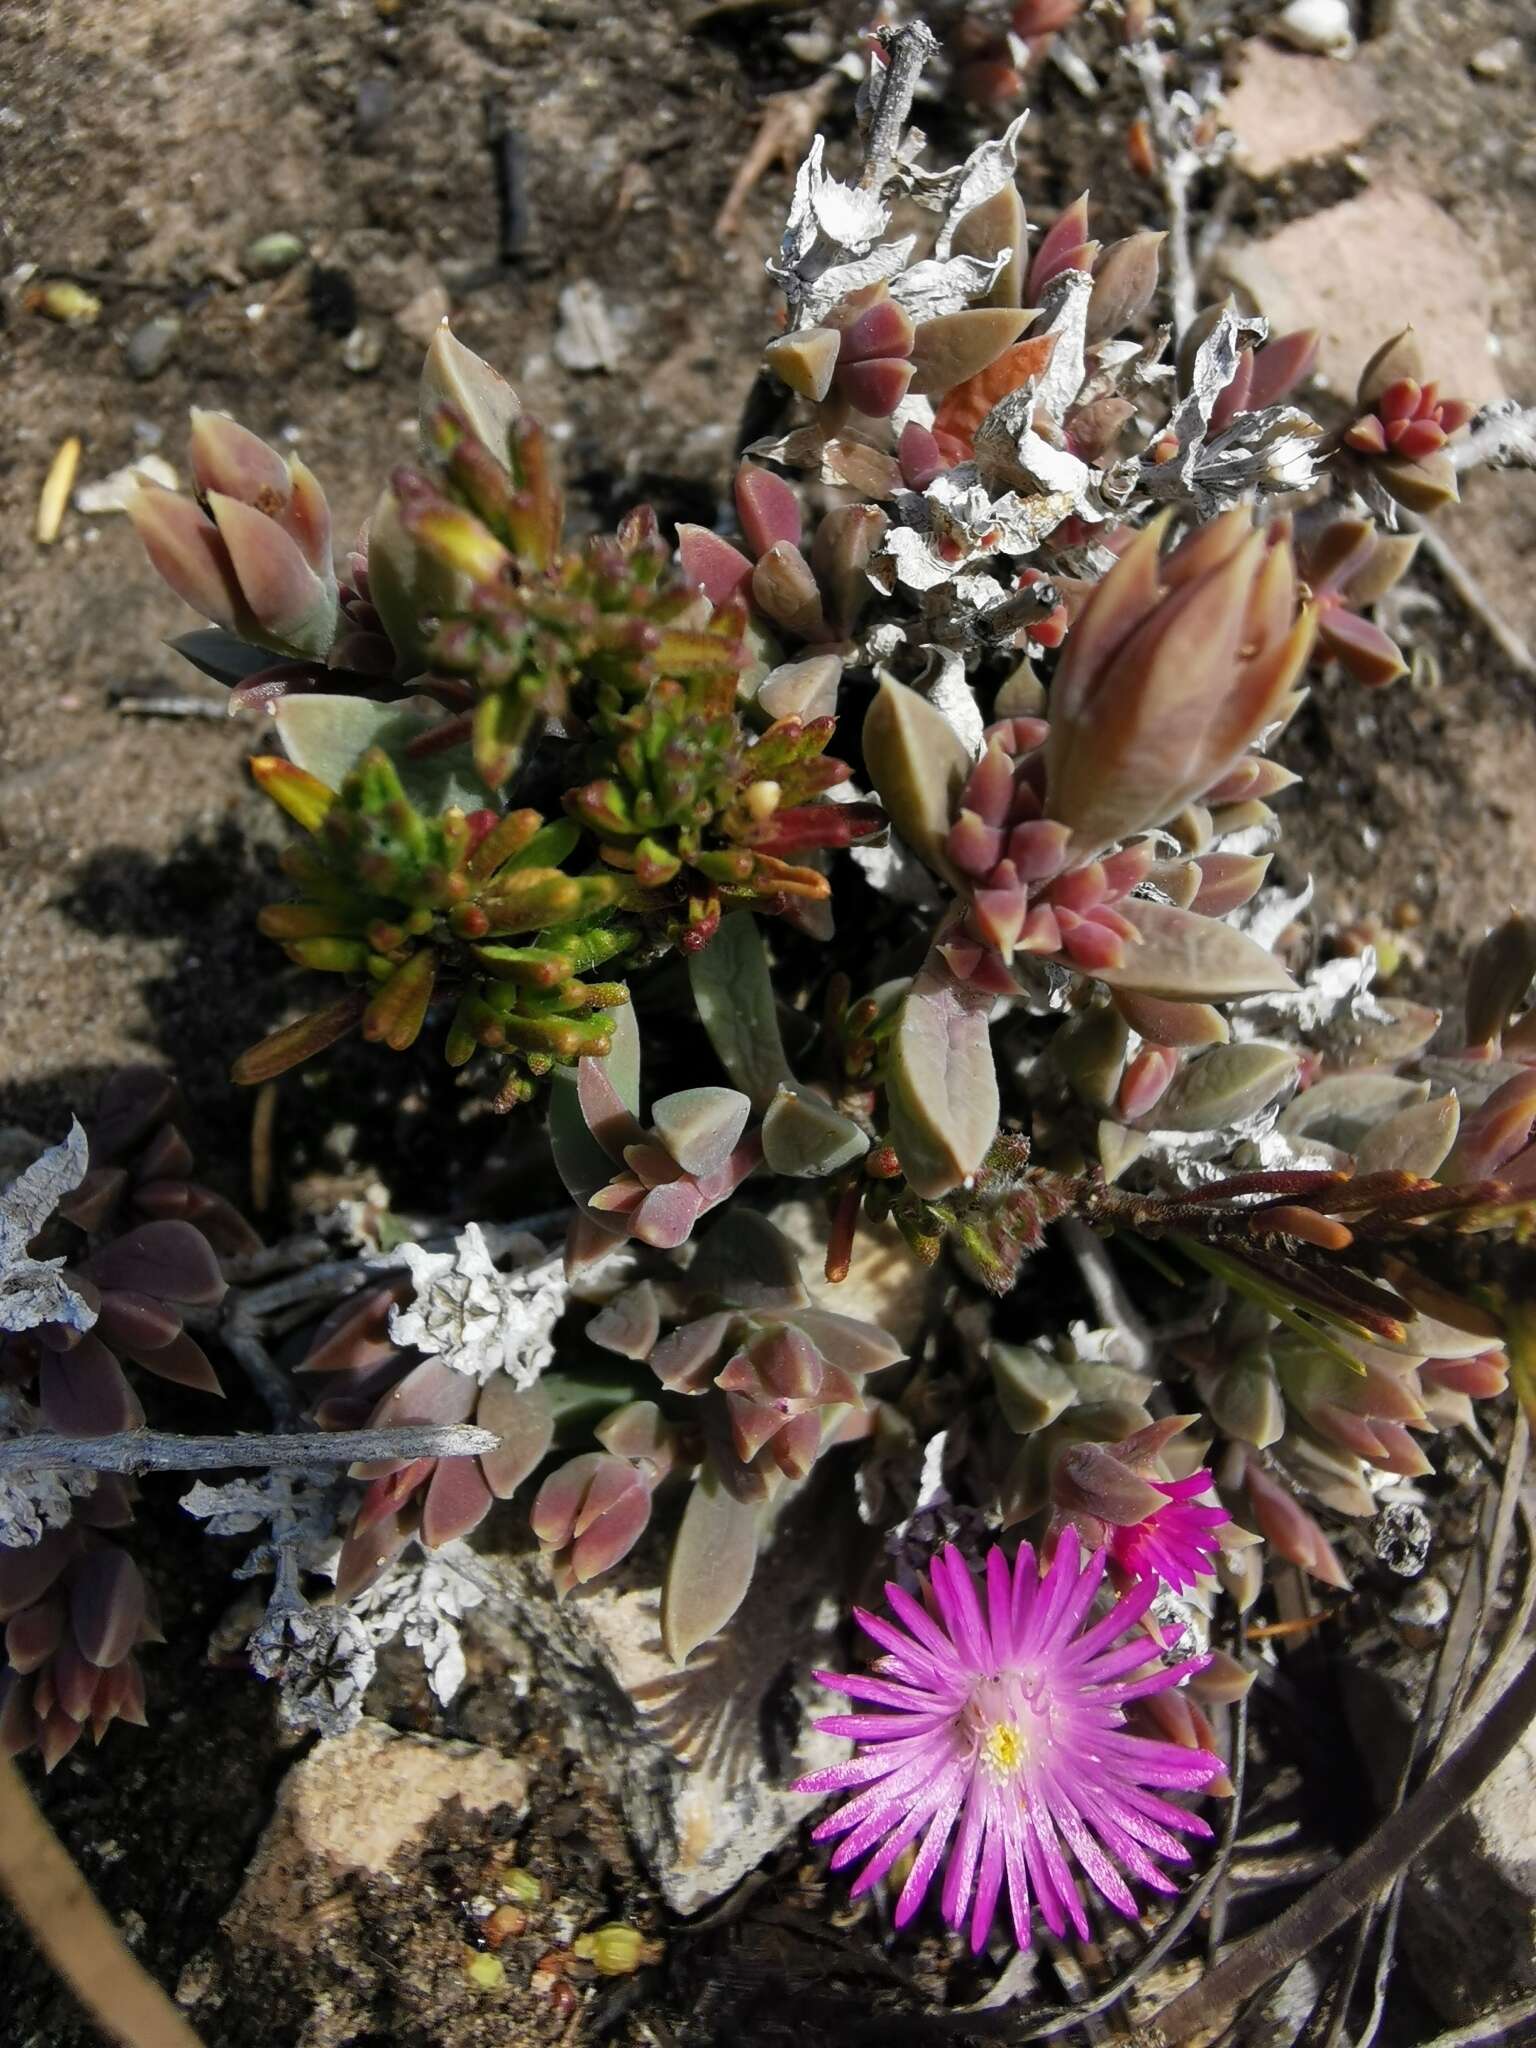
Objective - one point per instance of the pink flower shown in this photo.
(1007, 1723)
(1176, 1543)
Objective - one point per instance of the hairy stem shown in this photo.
(1350, 1888)
(154, 1450)
(69, 1925)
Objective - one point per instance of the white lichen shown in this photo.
(477, 1320)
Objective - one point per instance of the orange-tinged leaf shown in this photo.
(968, 404)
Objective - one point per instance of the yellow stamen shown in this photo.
(1002, 1749)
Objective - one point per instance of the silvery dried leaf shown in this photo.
(1214, 368)
(233, 1509)
(1065, 314)
(1195, 1158)
(322, 1660)
(1056, 484)
(826, 251)
(951, 694)
(961, 188)
(1272, 450)
(929, 290)
(34, 1291)
(1270, 914)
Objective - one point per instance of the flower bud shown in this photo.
(1170, 673)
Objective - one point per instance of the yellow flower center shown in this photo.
(1002, 1749)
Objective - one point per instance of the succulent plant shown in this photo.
(990, 660)
(107, 1246)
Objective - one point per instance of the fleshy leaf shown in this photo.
(1223, 1086)
(733, 992)
(919, 765)
(941, 1085)
(711, 1565)
(1186, 958)
(329, 735)
(700, 1127)
(808, 1138)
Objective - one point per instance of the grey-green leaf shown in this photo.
(808, 1138)
(734, 995)
(1342, 1109)
(454, 375)
(941, 1085)
(329, 735)
(1223, 1086)
(1416, 1140)
(1187, 958)
(919, 766)
(711, 1565)
(701, 1127)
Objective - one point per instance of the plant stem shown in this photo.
(1350, 1889)
(71, 1928)
(154, 1450)
(907, 51)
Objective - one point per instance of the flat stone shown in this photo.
(356, 1803)
(1469, 1902)
(701, 1757)
(1288, 108)
(1361, 271)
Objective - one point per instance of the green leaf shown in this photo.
(941, 1085)
(711, 1565)
(734, 995)
(328, 736)
(1187, 958)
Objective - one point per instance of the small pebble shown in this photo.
(112, 493)
(151, 346)
(363, 349)
(271, 254)
(486, 1973)
(374, 104)
(1498, 59)
(1422, 1611)
(1321, 27)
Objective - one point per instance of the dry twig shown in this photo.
(71, 1928)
